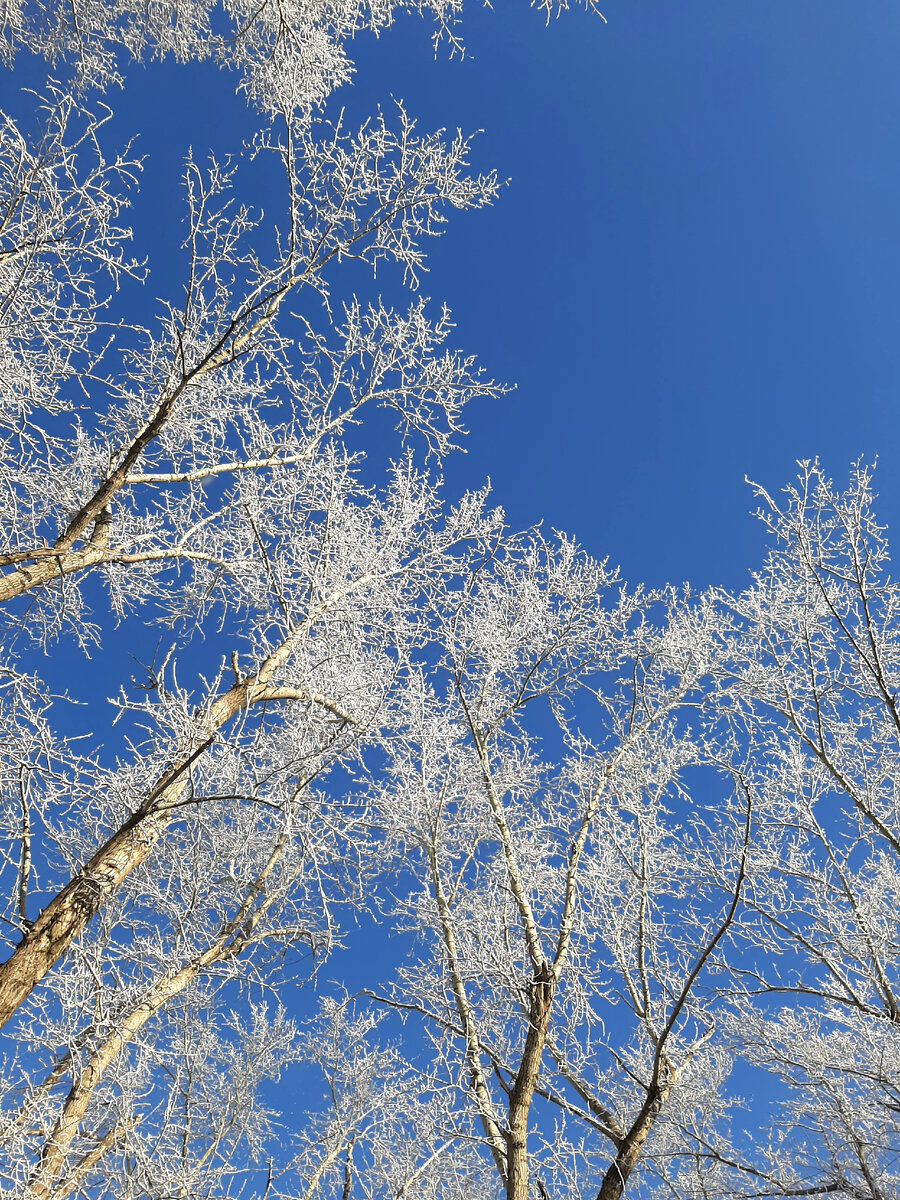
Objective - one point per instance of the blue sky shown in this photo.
(692, 276)
(694, 272)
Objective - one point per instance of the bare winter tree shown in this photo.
(615, 854)
(813, 682)
(571, 912)
(212, 488)
(288, 54)
(602, 931)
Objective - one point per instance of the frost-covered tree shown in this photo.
(288, 54)
(645, 850)
(571, 896)
(621, 852)
(811, 681)
(203, 475)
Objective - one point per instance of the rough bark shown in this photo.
(231, 940)
(48, 565)
(57, 1147)
(522, 1093)
(623, 1164)
(84, 895)
(88, 1162)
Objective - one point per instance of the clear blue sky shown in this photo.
(693, 274)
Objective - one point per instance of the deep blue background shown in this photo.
(694, 272)
(692, 276)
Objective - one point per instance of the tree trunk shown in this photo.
(616, 1177)
(67, 1126)
(84, 895)
(70, 910)
(525, 1082)
(46, 566)
(230, 940)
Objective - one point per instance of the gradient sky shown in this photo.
(693, 276)
(694, 273)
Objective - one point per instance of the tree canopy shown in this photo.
(614, 869)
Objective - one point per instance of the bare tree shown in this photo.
(573, 911)
(288, 54)
(629, 847)
(212, 489)
(812, 682)
(701, 832)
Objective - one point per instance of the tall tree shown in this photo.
(633, 849)
(214, 490)
(812, 681)
(572, 911)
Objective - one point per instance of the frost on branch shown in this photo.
(230, 384)
(601, 855)
(289, 55)
(161, 869)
